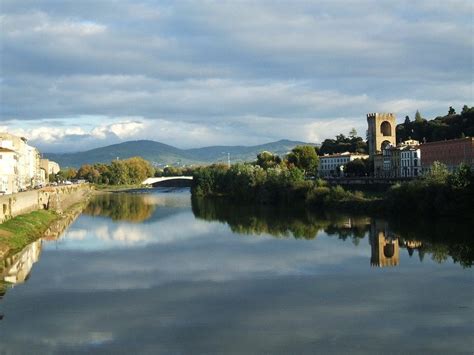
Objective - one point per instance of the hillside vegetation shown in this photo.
(451, 126)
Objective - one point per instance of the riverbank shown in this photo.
(440, 193)
(18, 232)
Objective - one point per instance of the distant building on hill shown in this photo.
(449, 152)
(333, 164)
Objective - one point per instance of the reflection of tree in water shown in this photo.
(278, 221)
(441, 239)
(120, 206)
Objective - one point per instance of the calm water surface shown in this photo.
(157, 273)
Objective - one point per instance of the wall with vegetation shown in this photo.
(55, 198)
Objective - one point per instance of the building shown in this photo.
(9, 181)
(28, 172)
(410, 160)
(449, 152)
(49, 167)
(401, 161)
(333, 164)
(381, 131)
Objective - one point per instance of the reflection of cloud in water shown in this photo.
(197, 251)
(181, 285)
(356, 314)
(101, 233)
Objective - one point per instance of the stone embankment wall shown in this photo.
(57, 198)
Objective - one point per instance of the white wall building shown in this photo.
(27, 166)
(410, 162)
(9, 181)
(333, 164)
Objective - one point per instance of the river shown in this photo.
(155, 272)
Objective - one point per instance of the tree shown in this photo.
(357, 167)
(418, 117)
(462, 177)
(352, 133)
(438, 173)
(407, 121)
(305, 158)
(267, 160)
(451, 111)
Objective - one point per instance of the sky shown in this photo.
(76, 75)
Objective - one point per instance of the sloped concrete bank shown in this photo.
(58, 199)
(48, 221)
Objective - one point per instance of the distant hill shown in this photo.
(163, 154)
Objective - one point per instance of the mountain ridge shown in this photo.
(164, 154)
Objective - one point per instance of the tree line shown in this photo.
(450, 126)
(119, 172)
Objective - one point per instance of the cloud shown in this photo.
(221, 70)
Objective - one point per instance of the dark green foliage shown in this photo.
(304, 157)
(284, 184)
(268, 160)
(358, 167)
(439, 194)
(353, 144)
(451, 126)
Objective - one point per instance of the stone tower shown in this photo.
(381, 131)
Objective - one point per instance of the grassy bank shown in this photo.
(20, 231)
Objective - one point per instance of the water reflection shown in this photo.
(16, 268)
(121, 207)
(185, 281)
(385, 237)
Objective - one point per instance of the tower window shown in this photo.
(386, 128)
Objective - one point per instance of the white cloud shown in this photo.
(121, 129)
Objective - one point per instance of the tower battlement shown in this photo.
(380, 114)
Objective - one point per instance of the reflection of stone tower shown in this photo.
(381, 131)
(385, 248)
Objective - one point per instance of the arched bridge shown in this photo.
(156, 180)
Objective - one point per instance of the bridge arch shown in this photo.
(168, 181)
